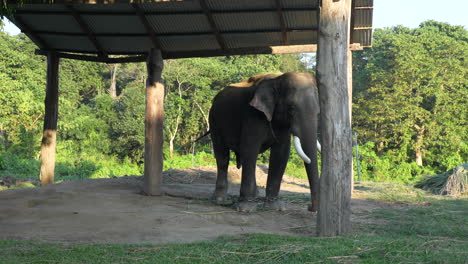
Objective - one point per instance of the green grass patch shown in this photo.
(391, 192)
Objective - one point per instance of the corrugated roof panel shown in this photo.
(242, 23)
(188, 43)
(76, 43)
(114, 24)
(247, 21)
(364, 37)
(54, 23)
(302, 37)
(121, 44)
(104, 7)
(301, 19)
(244, 40)
(223, 5)
(179, 23)
(170, 6)
(363, 3)
(299, 3)
(363, 18)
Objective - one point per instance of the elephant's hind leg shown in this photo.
(248, 192)
(222, 162)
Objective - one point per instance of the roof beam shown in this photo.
(31, 34)
(84, 27)
(199, 53)
(139, 58)
(171, 34)
(279, 11)
(214, 28)
(148, 27)
(159, 12)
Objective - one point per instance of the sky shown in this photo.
(409, 13)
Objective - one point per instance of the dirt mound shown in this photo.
(115, 211)
(453, 182)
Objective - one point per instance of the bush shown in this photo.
(14, 166)
(92, 167)
(188, 161)
(386, 167)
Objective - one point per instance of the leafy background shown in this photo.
(409, 107)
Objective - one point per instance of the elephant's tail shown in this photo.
(204, 135)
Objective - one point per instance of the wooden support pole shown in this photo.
(154, 124)
(332, 63)
(50, 121)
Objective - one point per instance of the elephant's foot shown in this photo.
(247, 206)
(274, 204)
(221, 198)
(311, 208)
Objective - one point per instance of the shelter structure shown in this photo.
(119, 31)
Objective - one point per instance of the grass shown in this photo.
(391, 192)
(423, 229)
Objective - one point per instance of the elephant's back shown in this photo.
(232, 98)
(227, 112)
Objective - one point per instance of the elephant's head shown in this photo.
(290, 100)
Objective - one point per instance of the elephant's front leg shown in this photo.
(279, 156)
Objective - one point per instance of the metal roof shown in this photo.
(181, 28)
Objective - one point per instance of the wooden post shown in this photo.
(154, 124)
(350, 97)
(50, 121)
(332, 63)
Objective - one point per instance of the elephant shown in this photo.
(262, 113)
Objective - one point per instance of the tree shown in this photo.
(411, 94)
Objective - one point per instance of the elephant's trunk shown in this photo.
(307, 132)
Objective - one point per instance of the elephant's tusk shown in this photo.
(300, 152)
(319, 147)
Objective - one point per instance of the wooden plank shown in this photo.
(172, 34)
(154, 124)
(50, 121)
(191, 54)
(213, 25)
(86, 30)
(241, 51)
(149, 29)
(332, 62)
(126, 59)
(279, 11)
(101, 12)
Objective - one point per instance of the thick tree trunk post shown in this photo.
(332, 63)
(50, 121)
(154, 124)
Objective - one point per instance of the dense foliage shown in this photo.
(409, 106)
(411, 100)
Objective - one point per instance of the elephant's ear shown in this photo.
(264, 98)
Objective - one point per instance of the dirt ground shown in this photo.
(115, 211)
